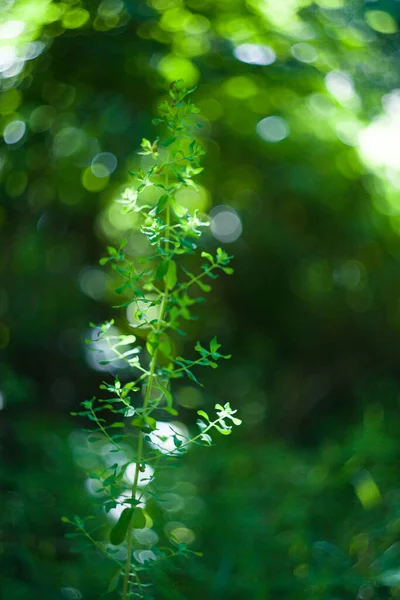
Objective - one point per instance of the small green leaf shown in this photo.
(110, 504)
(114, 582)
(151, 343)
(192, 377)
(139, 519)
(170, 278)
(168, 141)
(164, 345)
(161, 270)
(109, 480)
(178, 209)
(224, 431)
(367, 490)
(160, 205)
(138, 422)
(146, 147)
(177, 441)
(118, 532)
(214, 345)
(202, 413)
(208, 256)
(125, 340)
(204, 286)
(168, 399)
(151, 422)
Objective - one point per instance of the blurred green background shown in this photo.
(300, 103)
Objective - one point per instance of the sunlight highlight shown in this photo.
(379, 142)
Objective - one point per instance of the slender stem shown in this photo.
(99, 546)
(185, 285)
(195, 362)
(139, 453)
(104, 431)
(209, 426)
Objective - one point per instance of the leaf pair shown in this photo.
(130, 517)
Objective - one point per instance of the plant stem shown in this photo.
(100, 426)
(185, 285)
(195, 362)
(209, 426)
(139, 453)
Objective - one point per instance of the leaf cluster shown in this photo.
(127, 412)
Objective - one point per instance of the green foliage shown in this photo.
(304, 503)
(157, 282)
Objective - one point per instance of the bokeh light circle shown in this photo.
(226, 225)
(104, 164)
(14, 132)
(255, 54)
(273, 129)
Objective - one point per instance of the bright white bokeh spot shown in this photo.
(124, 502)
(340, 85)
(144, 476)
(140, 313)
(143, 556)
(94, 487)
(14, 132)
(163, 436)
(391, 103)
(146, 537)
(100, 350)
(255, 54)
(379, 143)
(226, 225)
(8, 56)
(304, 52)
(15, 69)
(31, 50)
(11, 29)
(273, 129)
(104, 164)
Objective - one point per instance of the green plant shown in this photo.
(160, 287)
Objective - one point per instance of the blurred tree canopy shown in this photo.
(300, 118)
